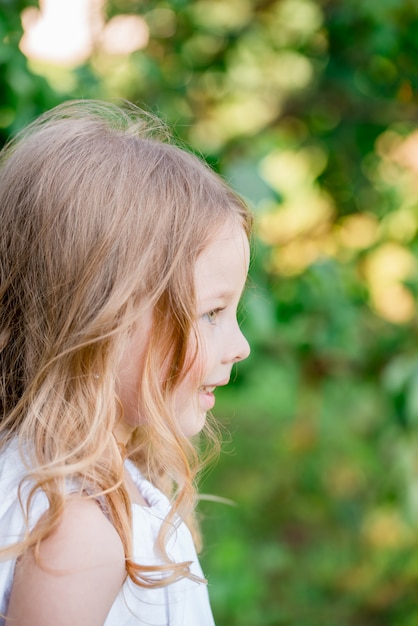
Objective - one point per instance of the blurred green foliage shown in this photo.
(309, 109)
(23, 94)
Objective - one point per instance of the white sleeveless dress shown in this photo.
(184, 603)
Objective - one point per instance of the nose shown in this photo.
(237, 347)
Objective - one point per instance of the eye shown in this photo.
(211, 316)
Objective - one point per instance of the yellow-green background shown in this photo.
(309, 109)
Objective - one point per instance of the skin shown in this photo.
(88, 551)
(220, 276)
(85, 550)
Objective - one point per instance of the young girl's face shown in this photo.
(220, 275)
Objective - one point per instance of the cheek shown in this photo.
(194, 367)
(197, 352)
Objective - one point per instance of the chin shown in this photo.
(193, 426)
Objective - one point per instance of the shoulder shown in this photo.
(79, 572)
(84, 532)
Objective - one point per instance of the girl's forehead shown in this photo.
(222, 266)
(229, 240)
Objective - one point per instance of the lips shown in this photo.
(207, 389)
(211, 388)
(206, 394)
(206, 398)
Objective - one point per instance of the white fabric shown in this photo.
(184, 603)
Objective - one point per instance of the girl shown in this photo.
(122, 262)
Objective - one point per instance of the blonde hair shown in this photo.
(101, 216)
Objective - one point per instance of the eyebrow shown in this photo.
(221, 295)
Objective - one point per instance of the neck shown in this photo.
(123, 432)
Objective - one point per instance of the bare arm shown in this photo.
(88, 555)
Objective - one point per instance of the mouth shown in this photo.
(207, 396)
(207, 388)
(211, 388)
